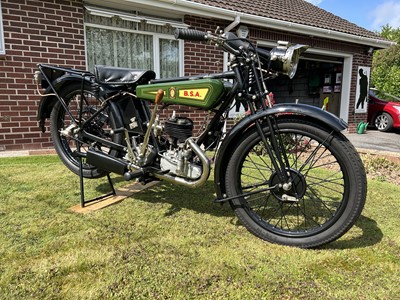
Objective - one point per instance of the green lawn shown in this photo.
(170, 242)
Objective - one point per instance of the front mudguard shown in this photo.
(299, 111)
(47, 103)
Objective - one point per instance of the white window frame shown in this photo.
(156, 52)
(2, 45)
(156, 36)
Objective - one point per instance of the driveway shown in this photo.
(377, 141)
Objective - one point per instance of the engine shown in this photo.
(179, 158)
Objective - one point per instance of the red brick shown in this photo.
(8, 5)
(4, 130)
(46, 21)
(54, 39)
(32, 43)
(22, 141)
(16, 12)
(32, 135)
(18, 129)
(12, 136)
(19, 47)
(36, 3)
(31, 31)
(27, 113)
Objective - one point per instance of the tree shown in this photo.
(385, 74)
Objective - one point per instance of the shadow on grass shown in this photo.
(105, 187)
(370, 235)
(199, 199)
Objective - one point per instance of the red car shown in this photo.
(383, 110)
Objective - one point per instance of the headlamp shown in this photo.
(285, 58)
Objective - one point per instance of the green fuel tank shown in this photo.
(203, 93)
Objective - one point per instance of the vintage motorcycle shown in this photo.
(287, 171)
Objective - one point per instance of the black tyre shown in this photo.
(383, 122)
(321, 201)
(66, 145)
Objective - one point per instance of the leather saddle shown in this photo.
(116, 76)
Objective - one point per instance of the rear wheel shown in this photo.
(322, 198)
(66, 140)
(384, 122)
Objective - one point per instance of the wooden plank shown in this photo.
(121, 194)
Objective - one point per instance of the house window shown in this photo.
(131, 41)
(2, 48)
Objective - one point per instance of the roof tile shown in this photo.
(296, 11)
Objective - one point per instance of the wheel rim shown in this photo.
(381, 122)
(316, 198)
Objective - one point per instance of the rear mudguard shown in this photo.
(47, 103)
(299, 111)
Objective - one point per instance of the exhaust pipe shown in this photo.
(112, 164)
(106, 162)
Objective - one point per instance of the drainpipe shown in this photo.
(228, 28)
(235, 23)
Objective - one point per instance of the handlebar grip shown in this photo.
(190, 35)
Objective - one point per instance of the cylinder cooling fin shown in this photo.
(179, 128)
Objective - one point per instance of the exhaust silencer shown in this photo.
(106, 162)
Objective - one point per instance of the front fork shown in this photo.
(279, 158)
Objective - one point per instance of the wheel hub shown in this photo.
(291, 191)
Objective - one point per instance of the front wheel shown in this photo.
(321, 198)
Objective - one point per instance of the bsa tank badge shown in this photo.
(172, 93)
(195, 94)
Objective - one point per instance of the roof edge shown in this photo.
(203, 10)
(317, 31)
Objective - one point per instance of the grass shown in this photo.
(170, 242)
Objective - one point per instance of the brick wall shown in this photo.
(47, 31)
(202, 57)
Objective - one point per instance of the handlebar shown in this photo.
(223, 40)
(191, 35)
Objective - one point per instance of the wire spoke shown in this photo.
(255, 185)
(256, 166)
(314, 197)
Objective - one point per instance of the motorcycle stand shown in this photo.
(82, 188)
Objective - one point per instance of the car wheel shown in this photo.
(384, 122)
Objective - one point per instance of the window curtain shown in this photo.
(169, 58)
(119, 49)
